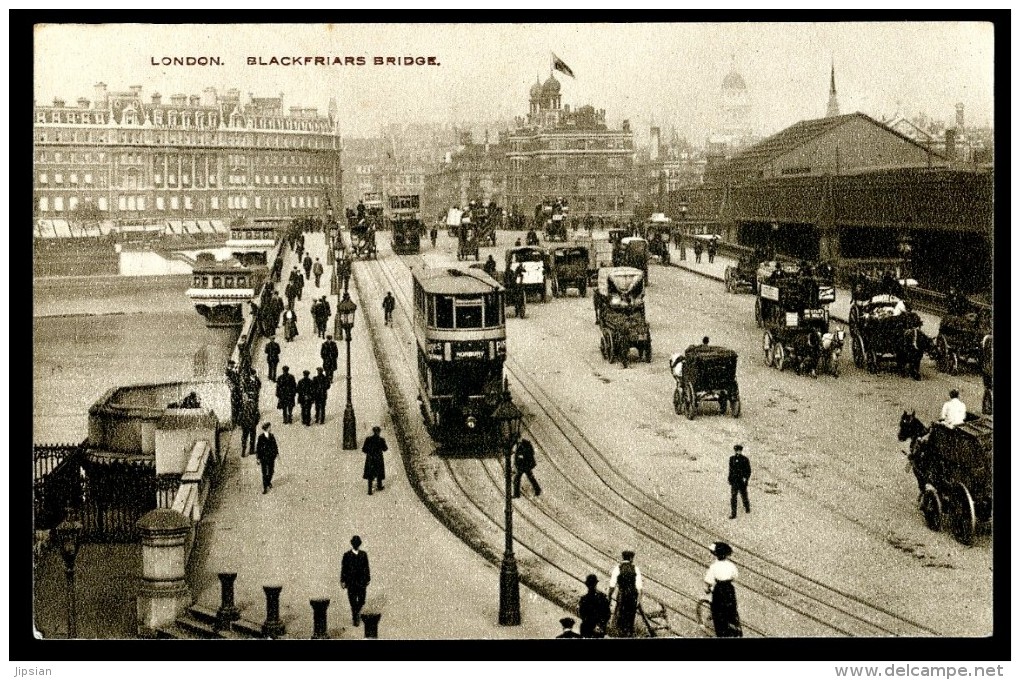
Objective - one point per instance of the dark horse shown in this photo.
(912, 429)
(915, 345)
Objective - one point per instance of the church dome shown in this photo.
(536, 90)
(734, 81)
(551, 87)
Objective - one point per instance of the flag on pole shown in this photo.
(560, 66)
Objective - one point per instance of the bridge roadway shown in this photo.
(834, 545)
(433, 586)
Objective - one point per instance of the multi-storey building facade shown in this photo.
(474, 172)
(557, 152)
(202, 156)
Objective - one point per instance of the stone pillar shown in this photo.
(319, 607)
(228, 611)
(273, 627)
(163, 593)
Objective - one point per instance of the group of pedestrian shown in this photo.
(295, 286)
(310, 392)
(321, 311)
(269, 312)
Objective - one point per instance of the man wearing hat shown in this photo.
(306, 397)
(740, 473)
(375, 466)
(266, 452)
(626, 578)
(568, 628)
(272, 356)
(354, 577)
(594, 610)
(719, 582)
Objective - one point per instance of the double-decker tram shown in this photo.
(460, 329)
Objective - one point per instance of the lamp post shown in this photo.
(509, 418)
(345, 320)
(906, 247)
(69, 537)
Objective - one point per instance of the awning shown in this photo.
(62, 228)
(219, 227)
(205, 228)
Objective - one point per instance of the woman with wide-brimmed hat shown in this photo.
(719, 582)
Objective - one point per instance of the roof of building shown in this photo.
(551, 86)
(454, 281)
(794, 137)
(734, 81)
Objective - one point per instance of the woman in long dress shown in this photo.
(290, 324)
(719, 582)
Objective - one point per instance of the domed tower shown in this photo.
(535, 96)
(735, 104)
(551, 94)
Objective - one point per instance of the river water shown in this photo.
(94, 333)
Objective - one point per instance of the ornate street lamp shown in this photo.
(345, 320)
(69, 538)
(509, 418)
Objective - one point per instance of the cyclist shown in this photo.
(719, 582)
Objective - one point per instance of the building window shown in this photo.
(174, 203)
(258, 202)
(103, 204)
(44, 204)
(58, 178)
(43, 179)
(72, 202)
(187, 202)
(58, 203)
(160, 203)
(214, 202)
(88, 178)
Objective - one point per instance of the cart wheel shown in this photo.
(678, 403)
(931, 508)
(941, 354)
(962, 515)
(766, 347)
(610, 348)
(735, 407)
(757, 313)
(779, 355)
(852, 318)
(986, 402)
(692, 401)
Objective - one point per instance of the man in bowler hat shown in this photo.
(568, 628)
(626, 578)
(267, 451)
(594, 610)
(740, 473)
(524, 461)
(272, 356)
(286, 390)
(354, 577)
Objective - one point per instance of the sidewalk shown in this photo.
(839, 310)
(431, 585)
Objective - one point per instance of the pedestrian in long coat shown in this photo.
(307, 264)
(355, 577)
(266, 451)
(248, 419)
(329, 353)
(594, 610)
(626, 580)
(299, 285)
(524, 461)
(277, 310)
(272, 356)
(739, 474)
(316, 312)
(286, 391)
(320, 391)
(292, 293)
(375, 466)
(317, 269)
(290, 325)
(306, 397)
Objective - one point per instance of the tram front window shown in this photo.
(444, 311)
(469, 314)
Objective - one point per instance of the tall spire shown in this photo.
(833, 107)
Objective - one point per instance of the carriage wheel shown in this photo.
(852, 318)
(766, 347)
(986, 402)
(610, 347)
(942, 353)
(953, 362)
(678, 400)
(692, 401)
(962, 516)
(779, 355)
(856, 345)
(556, 287)
(931, 508)
(757, 313)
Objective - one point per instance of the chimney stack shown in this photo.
(951, 144)
(156, 98)
(654, 153)
(58, 103)
(136, 90)
(100, 94)
(83, 103)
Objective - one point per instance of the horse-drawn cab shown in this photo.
(620, 314)
(631, 251)
(658, 229)
(531, 238)
(705, 373)
(569, 269)
(533, 267)
(953, 467)
(792, 307)
(883, 328)
(363, 240)
(961, 333)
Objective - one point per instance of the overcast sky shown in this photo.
(669, 73)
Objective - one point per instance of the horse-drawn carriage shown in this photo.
(631, 251)
(658, 230)
(363, 240)
(569, 269)
(883, 329)
(792, 308)
(533, 266)
(705, 373)
(742, 277)
(551, 216)
(620, 314)
(953, 467)
(961, 334)
(556, 228)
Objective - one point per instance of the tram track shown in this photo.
(592, 478)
